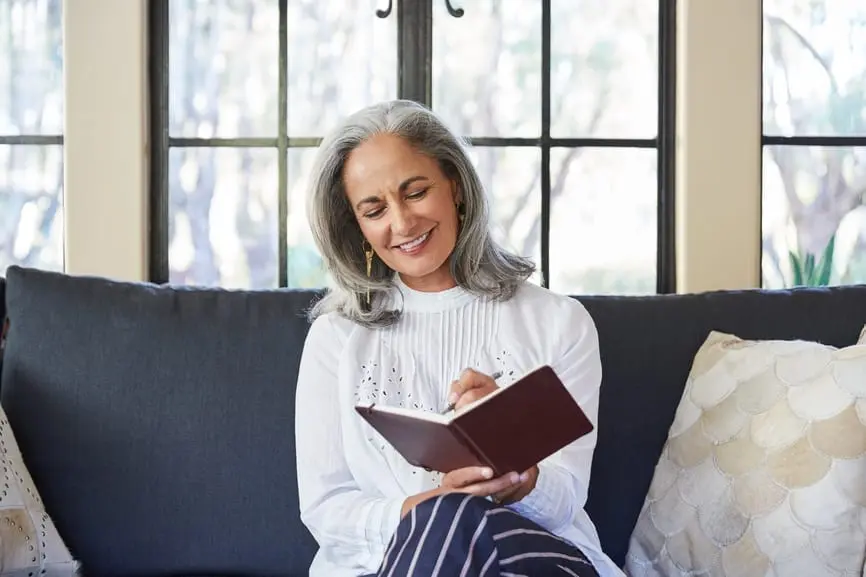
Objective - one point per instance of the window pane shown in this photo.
(223, 68)
(342, 57)
(603, 223)
(223, 228)
(31, 67)
(31, 206)
(487, 67)
(604, 68)
(305, 266)
(814, 67)
(512, 180)
(810, 196)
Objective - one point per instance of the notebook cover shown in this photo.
(518, 428)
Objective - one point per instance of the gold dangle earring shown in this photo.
(368, 254)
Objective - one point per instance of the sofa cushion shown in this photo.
(647, 347)
(158, 423)
(764, 471)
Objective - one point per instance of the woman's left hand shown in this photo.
(518, 492)
(470, 387)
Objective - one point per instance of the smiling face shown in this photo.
(406, 208)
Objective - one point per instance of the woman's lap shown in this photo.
(460, 535)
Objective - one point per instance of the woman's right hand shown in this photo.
(476, 481)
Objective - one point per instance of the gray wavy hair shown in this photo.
(477, 263)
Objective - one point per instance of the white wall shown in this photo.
(105, 137)
(718, 142)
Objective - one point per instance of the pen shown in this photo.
(450, 407)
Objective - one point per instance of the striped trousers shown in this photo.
(458, 535)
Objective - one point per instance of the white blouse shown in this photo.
(352, 483)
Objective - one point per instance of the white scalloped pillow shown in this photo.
(29, 542)
(764, 470)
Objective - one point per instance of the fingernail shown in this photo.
(452, 398)
(515, 478)
(487, 473)
(523, 477)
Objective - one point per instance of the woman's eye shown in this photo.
(417, 194)
(375, 213)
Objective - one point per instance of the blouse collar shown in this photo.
(421, 301)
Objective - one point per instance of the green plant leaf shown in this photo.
(825, 267)
(809, 269)
(796, 269)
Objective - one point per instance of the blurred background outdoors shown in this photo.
(486, 83)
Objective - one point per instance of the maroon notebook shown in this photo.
(511, 429)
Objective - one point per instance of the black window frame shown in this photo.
(31, 140)
(414, 81)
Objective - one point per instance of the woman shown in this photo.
(425, 307)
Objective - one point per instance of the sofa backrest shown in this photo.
(158, 426)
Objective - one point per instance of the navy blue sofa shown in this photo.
(158, 422)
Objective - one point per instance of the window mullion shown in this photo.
(666, 279)
(158, 72)
(282, 149)
(415, 50)
(545, 141)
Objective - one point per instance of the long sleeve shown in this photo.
(352, 527)
(563, 481)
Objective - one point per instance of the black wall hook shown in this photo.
(456, 12)
(387, 11)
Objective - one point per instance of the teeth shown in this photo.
(412, 244)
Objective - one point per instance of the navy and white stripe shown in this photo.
(457, 535)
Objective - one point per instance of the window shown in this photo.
(814, 143)
(572, 133)
(31, 141)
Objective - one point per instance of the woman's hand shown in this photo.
(476, 481)
(470, 387)
(479, 481)
(520, 491)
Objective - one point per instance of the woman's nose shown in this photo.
(402, 221)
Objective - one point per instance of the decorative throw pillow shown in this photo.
(764, 469)
(29, 543)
